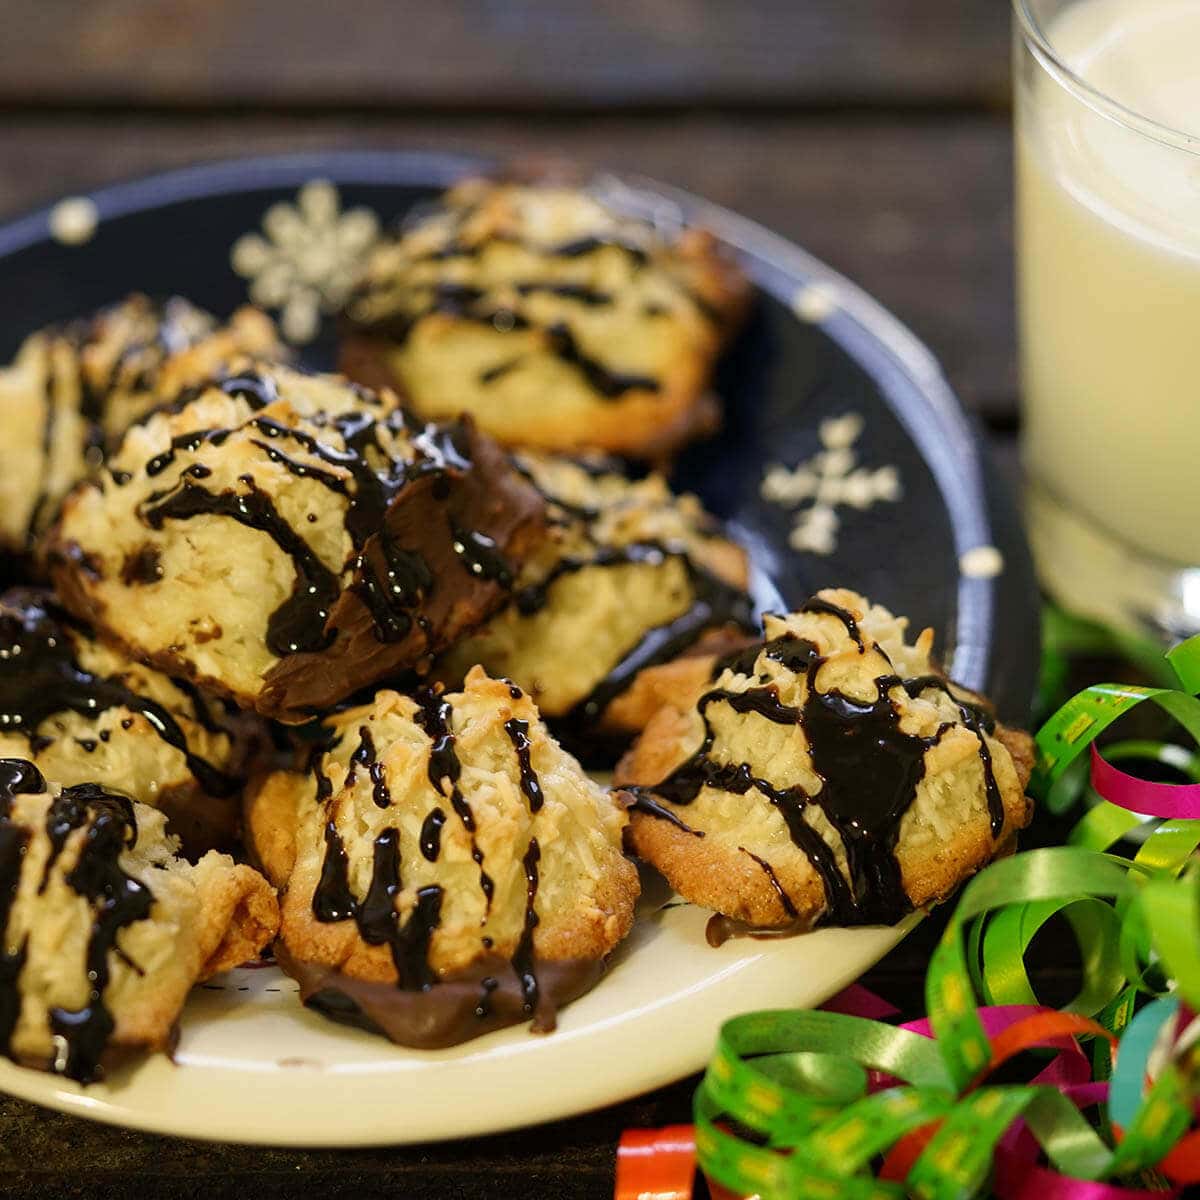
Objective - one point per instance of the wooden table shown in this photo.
(873, 132)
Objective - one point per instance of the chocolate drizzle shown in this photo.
(69, 812)
(762, 701)
(316, 766)
(795, 653)
(457, 300)
(377, 918)
(581, 246)
(742, 661)
(302, 470)
(869, 767)
(814, 604)
(118, 901)
(468, 303)
(299, 623)
(641, 801)
(871, 770)
(49, 425)
(769, 871)
(518, 734)
(364, 756)
(535, 596)
(410, 950)
(491, 374)
(333, 900)
(714, 603)
(17, 777)
(579, 292)
(431, 834)
(187, 442)
(979, 721)
(444, 770)
(135, 339)
(40, 676)
(376, 915)
(369, 472)
(523, 961)
(685, 783)
(610, 384)
(405, 580)
(200, 706)
(255, 389)
(480, 555)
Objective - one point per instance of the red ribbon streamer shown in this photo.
(656, 1164)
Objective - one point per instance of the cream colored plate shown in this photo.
(253, 1065)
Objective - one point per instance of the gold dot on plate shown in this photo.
(73, 221)
(815, 302)
(981, 562)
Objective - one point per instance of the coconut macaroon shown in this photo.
(830, 773)
(632, 576)
(449, 868)
(103, 930)
(83, 712)
(74, 389)
(554, 321)
(285, 539)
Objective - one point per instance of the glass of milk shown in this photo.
(1108, 235)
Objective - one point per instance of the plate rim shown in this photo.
(278, 1092)
(914, 388)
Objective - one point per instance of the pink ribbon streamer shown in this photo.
(858, 1001)
(1172, 801)
(1069, 1068)
(1020, 1179)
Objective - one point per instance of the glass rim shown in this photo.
(1040, 45)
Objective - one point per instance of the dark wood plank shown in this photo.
(522, 53)
(47, 1153)
(918, 212)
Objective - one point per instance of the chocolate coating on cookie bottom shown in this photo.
(463, 1005)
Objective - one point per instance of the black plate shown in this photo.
(784, 376)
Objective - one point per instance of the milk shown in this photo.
(1108, 224)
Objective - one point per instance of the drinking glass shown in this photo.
(1107, 120)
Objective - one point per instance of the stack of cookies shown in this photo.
(303, 663)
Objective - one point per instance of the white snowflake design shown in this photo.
(309, 259)
(832, 478)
